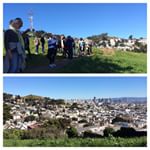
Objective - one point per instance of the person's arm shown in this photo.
(7, 40)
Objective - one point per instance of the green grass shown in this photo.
(79, 142)
(118, 62)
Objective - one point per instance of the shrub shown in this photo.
(82, 121)
(12, 134)
(129, 132)
(108, 131)
(43, 133)
(90, 134)
(72, 132)
(29, 118)
(6, 113)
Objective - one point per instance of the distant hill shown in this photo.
(130, 99)
(33, 97)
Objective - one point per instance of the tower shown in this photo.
(30, 16)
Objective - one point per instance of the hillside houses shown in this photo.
(131, 44)
(84, 114)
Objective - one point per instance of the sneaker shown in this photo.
(54, 65)
(51, 65)
(36, 53)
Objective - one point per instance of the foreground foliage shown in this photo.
(77, 142)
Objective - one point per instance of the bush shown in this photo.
(88, 124)
(129, 132)
(37, 133)
(108, 131)
(12, 134)
(121, 119)
(29, 118)
(82, 121)
(72, 132)
(6, 113)
(43, 133)
(90, 134)
(58, 123)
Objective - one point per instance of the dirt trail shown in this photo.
(46, 69)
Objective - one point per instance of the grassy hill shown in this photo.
(118, 62)
(33, 97)
(102, 61)
(76, 142)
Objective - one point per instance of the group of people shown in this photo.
(17, 43)
(37, 42)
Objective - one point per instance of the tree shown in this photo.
(29, 118)
(60, 124)
(140, 47)
(40, 33)
(7, 96)
(130, 37)
(122, 119)
(108, 131)
(83, 121)
(17, 97)
(6, 113)
(104, 36)
(90, 134)
(72, 132)
(97, 38)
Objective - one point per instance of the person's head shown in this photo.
(10, 22)
(69, 37)
(17, 23)
(55, 37)
(62, 36)
(49, 35)
(81, 39)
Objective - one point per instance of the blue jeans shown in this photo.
(13, 65)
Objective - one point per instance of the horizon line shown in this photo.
(79, 98)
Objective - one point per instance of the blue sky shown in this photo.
(82, 20)
(77, 87)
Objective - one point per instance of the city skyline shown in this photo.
(117, 19)
(77, 87)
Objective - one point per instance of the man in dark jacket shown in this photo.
(14, 45)
(27, 43)
(43, 44)
(69, 46)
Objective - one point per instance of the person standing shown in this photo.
(52, 50)
(36, 43)
(81, 46)
(65, 52)
(43, 44)
(62, 43)
(90, 47)
(27, 44)
(15, 49)
(69, 45)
